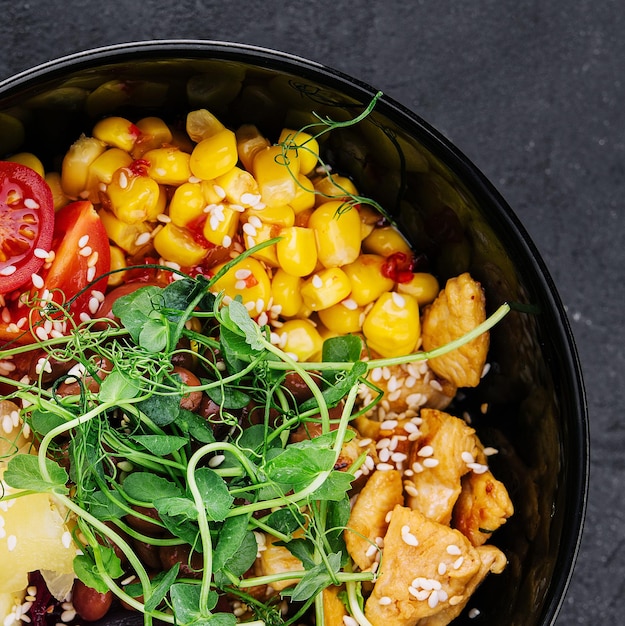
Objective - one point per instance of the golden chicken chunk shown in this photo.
(367, 522)
(333, 608)
(274, 559)
(458, 309)
(407, 387)
(482, 507)
(439, 459)
(427, 568)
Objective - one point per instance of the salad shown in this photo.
(227, 390)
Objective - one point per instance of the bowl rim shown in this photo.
(576, 498)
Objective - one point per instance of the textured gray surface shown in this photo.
(531, 91)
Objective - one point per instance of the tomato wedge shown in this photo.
(82, 254)
(26, 224)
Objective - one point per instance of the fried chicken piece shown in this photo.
(367, 522)
(439, 460)
(407, 387)
(426, 568)
(458, 309)
(492, 561)
(333, 609)
(482, 507)
(274, 559)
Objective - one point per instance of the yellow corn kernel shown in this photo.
(300, 338)
(325, 288)
(76, 162)
(213, 194)
(134, 198)
(202, 124)
(249, 142)
(285, 291)
(392, 327)
(259, 232)
(168, 166)
(369, 217)
(186, 204)
(337, 232)
(275, 176)
(282, 215)
(302, 144)
(366, 278)
(221, 224)
(343, 318)
(334, 186)
(423, 286)
(103, 168)
(118, 262)
(297, 250)
(239, 187)
(304, 195)
(117, 132)
(214, 156)
(154, 134)
(249, 280)
(123, 234)
(29, 160)
(385, 241)
(58, 195)
(178, 245)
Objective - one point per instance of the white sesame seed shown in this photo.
(66, 539)
(240, 285)
(371, 550)
(219, 191)
(8, 270)
(163, 218)
(410, 489)
(91, 273)
(84, 317)
(142, 239)
(41, 333)
(398, 457)
(473, 613)
(442, 569)
(477, 468)
(11, 543)
(83, 241)
(383, 467)
(455, 600)
(436, 385)
(426, 451)
(384, 455)
(388, 425)
(217, 460)
(490, 451)
(37, 281)
(364, 442)
(430, 462)
(255, 221)
(453, 550)
(68, 615)
(388, 517)
(350, 304)
(226, 242)
(242, 274)
(433, 600)
(248, 229)
(250, 199)
(384, 601)
(467, 457)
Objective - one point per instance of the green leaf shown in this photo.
(86, 569)
(296, 467)
(185, 598)
(147, 487)
(315, 579)
(196, 426)
(162, 409)
(214, 492)
(102, 506)
(240, 562)
(133, 309)
(344, 349)
(183, 528)
(304, 550)
(231, 538)
(286, 520)
(43, 422)
(160, 445)
(334, 487)
(229, 397)
(154, 335)
(240, 317)
(235, 349)
(337, 517)
(23, 472)
(117, 387)
(176, 507)
(159, 591)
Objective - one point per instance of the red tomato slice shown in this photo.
(82, 254)
(26, 224)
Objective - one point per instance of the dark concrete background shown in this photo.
(532, 91)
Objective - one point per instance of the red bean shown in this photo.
(144, 526)
(89, 603)
(190, 401)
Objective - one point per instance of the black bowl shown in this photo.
(537, 413)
